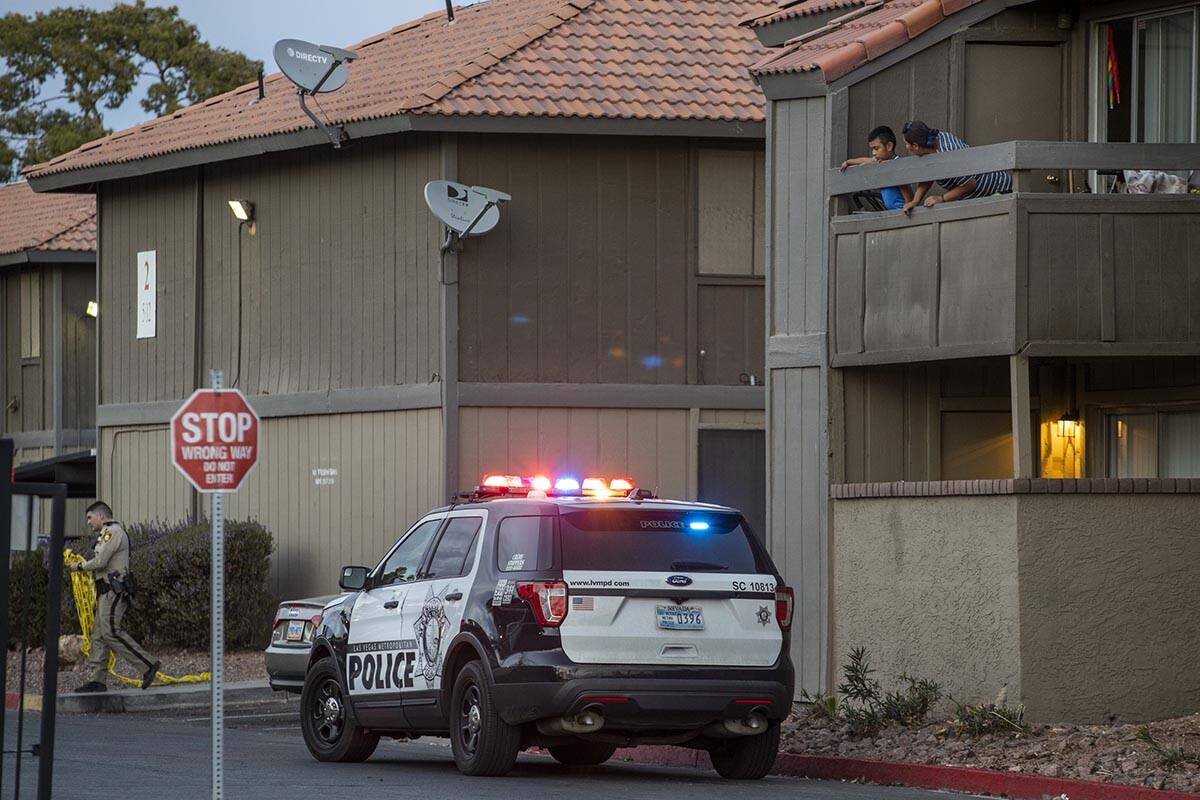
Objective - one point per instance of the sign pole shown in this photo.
(217, 617)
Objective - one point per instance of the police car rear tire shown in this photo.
(326, 723)
(583, 754)
(483, 743)
(748, 757)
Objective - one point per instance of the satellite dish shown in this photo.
(466, 210)
(314, 68)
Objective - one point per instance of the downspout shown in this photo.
(448, 286)
(198, 371)
(56, 348)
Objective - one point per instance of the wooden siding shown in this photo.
(585, 278)
(652, 446)
(338, 282)
(388, 467)
(731, 328)
(797, 509)
(916, 285)
(1125, 277)
(732, 419)
(798, 232)
(157, 212)
(731, 213)
(79, 349)
(916, 88)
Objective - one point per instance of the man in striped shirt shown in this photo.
(922, 140)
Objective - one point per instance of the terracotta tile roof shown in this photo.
(33, 221)
(860, 36)
(587, 59)
(790, 9)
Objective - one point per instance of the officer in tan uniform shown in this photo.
(114, 588)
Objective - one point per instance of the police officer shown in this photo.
(114, 588)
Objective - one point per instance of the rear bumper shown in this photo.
(286, 667)
(634, 700)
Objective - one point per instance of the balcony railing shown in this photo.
(1037, 271)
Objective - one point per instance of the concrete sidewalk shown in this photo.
(159, 698)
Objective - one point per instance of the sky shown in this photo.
(253, 27)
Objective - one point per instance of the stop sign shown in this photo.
(214, 439)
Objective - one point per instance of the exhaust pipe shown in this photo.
(751, 725)
(589, 720)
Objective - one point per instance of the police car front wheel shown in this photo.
(328, 726)
(482, 742)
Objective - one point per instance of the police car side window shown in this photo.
(455, 552)
(525, 543)
(404, 562)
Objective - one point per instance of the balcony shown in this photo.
(1036, 272)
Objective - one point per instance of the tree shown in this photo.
(63, 68)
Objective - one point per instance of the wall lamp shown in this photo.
(242, 209)
(93, 309)
(1068, 424)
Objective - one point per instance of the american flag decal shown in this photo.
(583, 603)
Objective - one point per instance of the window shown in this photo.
(1154, 444)
(525, 544)
(404, 562)
(31, 313)
(1146, 78)
(455, 551)
(658, 541)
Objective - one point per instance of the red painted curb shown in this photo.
(1014, 785)
(10, 700)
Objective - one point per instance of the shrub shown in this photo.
(866, 707)
(171, 564)
(977, 719)
(821, 705)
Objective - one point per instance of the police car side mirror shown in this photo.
(354, 579)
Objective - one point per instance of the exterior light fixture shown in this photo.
(1068, 424)
(242, 209)
(93, 309)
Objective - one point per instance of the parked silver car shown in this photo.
(291, 640)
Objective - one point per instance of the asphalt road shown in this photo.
(143, 757)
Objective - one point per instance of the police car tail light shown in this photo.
(548, 599)
(785, 601)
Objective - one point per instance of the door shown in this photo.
(433, 612)
(1014, 92)
(381, 653)
(733, 472)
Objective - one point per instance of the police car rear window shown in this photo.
(658, 541)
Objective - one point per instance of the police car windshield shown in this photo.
(648, 540)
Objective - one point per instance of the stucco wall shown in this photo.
(929, 586)
(1110, 601)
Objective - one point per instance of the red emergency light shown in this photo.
(494, 483)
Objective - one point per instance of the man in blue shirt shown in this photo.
(882, 142)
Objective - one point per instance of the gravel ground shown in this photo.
(1104, 753)
(244, 665)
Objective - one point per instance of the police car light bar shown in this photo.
(494, 483)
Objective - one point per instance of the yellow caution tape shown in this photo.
(84, 588)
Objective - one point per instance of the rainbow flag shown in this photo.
(1113, 72)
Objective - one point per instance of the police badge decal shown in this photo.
(431, 627)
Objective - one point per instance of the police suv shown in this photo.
(575, 616)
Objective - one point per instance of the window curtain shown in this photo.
(1167, 81)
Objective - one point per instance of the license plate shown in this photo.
(295, 631)
(680, 618)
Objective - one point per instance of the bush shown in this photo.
(31, 567)
(866, 707)
(171, 564)
(978, 719)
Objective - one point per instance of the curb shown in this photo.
(1014, 785)
(131, 701)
